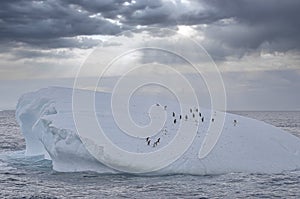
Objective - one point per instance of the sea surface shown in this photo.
(22, 177)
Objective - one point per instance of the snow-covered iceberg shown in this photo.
(247, 145)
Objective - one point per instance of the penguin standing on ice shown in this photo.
(234, 122)
(173, 114)
(191, 110)
(202, 119)
(148, 142)
(174, 121)
(186, 117)
(199, 114)
(180, 117)
(193, 115)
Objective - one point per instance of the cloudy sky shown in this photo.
(255, 43)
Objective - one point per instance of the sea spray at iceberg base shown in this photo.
(245, 145)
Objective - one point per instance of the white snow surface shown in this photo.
(46, 120)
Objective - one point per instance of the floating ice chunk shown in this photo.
(46, 120)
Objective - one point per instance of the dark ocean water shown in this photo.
(22, 177)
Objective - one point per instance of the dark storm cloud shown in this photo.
(257, 11)
(153, 12)
(272, 24)
(112, 8)
(37, 21)
(98, 6)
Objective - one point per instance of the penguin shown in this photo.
(191, 110)
(149, 142)
(202, 119)
(174, 121)
(180, 117)
(186, 117)
(234, 122)
(193, 115)
(173, 114)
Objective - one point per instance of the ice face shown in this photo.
(246, 145)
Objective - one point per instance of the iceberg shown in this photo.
(46, 119)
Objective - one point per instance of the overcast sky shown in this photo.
(255, 43)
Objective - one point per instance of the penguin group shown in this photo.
(193, 113)
(148, 140)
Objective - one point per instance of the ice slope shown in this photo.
(46, 120)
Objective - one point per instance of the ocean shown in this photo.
(33, 177)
